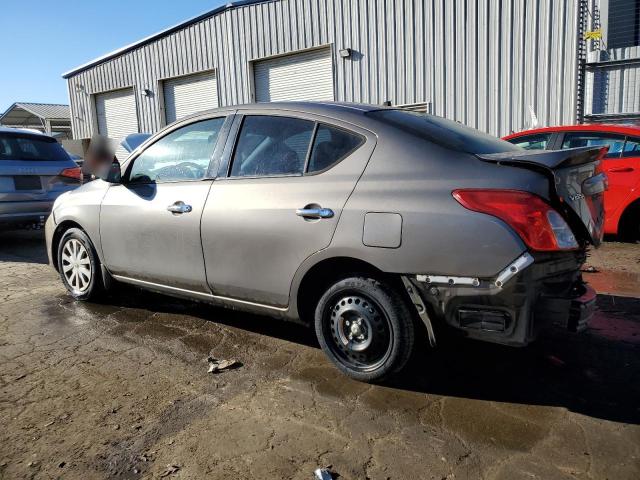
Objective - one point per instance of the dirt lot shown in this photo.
(120, 390)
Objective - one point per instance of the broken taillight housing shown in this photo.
(540, 226)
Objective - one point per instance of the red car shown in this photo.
(622, 166)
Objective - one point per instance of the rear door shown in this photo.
(150, 224)
(278, 202)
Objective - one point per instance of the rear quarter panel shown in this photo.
(415, 178)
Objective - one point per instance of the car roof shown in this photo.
(589, 127)
(329, 109)
(22, 130)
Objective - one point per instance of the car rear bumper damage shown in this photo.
(533, 292)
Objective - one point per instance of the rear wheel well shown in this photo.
(629, 220)
(322, 275)
(57, 235)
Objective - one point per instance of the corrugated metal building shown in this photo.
(490, 64)
(613, 61)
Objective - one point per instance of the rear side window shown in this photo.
(631, 147)
(595, 139)
(532, 142)
(271, 145)
(443, 132)
(15, 146)
(330, 146)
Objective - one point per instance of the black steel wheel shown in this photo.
(364, 326)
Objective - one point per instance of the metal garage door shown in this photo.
(302, 76)
(117, 116)
(191, 94)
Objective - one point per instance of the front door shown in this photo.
(278, 202)
(150, 224)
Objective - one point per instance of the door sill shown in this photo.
(194, 294)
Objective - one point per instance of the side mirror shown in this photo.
(113, 174)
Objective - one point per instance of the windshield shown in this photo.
(18, 146)
(443, 132)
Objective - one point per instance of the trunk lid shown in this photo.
(576, 183)
(31, 180)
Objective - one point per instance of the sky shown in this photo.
(42, 39)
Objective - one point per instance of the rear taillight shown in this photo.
(540, 226)
(74, 172)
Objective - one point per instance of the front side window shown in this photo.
(595, 139)
(271, 145)
(532, 142)
(182, 155)
(330, 146)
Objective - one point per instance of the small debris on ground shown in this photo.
(324, 474)
(590, 269)
(170, 470)
(216, 366)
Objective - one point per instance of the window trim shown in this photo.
(226, 125)
(305, 173)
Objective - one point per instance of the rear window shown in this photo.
(30, 147)
(443, 132)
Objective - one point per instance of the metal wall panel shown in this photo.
(481, 62)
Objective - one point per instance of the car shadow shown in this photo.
(595, 373)
(25, 246)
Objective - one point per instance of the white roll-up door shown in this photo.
(300, 76)
(190, 94)
(117, 116)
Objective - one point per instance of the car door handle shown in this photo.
(315, 213)
(621, 170)
(179, 207)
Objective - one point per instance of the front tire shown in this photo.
(79, 265)
(365, 327)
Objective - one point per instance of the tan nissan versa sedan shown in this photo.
(359, 219)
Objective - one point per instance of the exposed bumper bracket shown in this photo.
(421, 308)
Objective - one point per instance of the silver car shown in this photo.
(34, 171)
(372, 224)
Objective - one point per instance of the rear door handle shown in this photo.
(314, 213)
(179, 207)
(621, 170)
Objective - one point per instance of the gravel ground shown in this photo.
(121, 390)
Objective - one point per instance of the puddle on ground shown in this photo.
(159, 331)
(512, 426)
(615, 327)
(614, 283)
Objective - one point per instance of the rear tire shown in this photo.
(79, 265)
(365, 327)
(630, 224)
